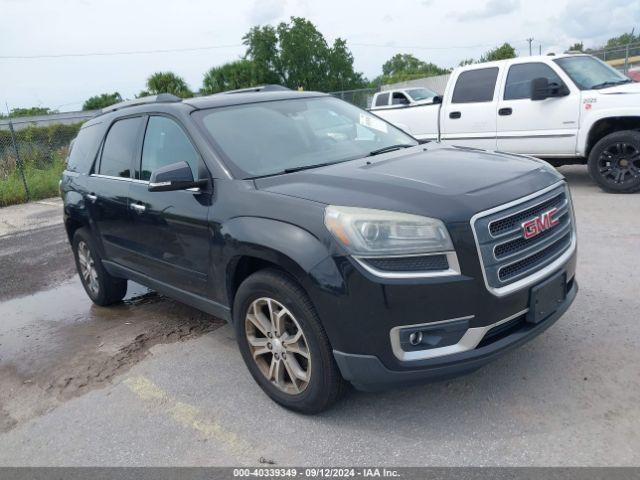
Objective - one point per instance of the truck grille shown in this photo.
(506, 255)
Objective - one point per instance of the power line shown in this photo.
(107, 54)
(212, 47)
(417, 47)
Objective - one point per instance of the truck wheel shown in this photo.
(614, 162)
(102, 288)
(283, 343)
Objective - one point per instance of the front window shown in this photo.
(589, 73)
(419, 94)
(268, 138)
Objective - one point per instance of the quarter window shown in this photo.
(119, 148)
(520, 77)
(474, 86)
(382, 100)
(165, 143)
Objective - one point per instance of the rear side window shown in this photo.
(120, 148)
(474, 86)
(165, 143)
(84, 149)
(382, 100)
(520, 76)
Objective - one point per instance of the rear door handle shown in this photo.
(455, 114)
(138, 207)
(92, 197)
(505, 111)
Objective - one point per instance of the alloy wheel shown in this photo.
(88, 268)
(278, 345)
(620, 163)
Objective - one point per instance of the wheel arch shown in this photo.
(607, 125)
(259, 243)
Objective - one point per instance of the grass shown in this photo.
(43, 183)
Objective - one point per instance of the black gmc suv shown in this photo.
(339, 247)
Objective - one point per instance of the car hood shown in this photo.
(446, 182)
(621, 89)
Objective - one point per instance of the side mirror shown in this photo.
(437, 99)
(539, 88)
(177, 176)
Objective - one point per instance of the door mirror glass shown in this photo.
(177, 176)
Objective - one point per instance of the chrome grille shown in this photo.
(506, 256)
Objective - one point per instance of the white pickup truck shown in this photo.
(565, 109)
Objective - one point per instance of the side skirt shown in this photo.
(201, 303)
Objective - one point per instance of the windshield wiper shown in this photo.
(390, 148)
(610, 84)
(306, 167)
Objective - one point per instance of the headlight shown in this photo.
(364, 231)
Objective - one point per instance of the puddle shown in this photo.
(56, 344)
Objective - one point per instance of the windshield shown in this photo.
(268, 138)
(590, 73)
(420, 94)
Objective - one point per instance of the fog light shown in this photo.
(415, 338)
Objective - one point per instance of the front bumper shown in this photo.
(368, 373)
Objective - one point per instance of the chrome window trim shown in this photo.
(470, 340)
(122, 179)
(540, 274)
(452, 260)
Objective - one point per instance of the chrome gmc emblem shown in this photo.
(539, 224)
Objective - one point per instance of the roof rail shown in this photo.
(160, 98)
(261, 88)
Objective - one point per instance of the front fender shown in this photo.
(294, 249)
(591, 117)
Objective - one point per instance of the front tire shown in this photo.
(284, 344)
(614, 162)
(102, 288)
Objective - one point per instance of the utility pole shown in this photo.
(540, 49)
(530, 40)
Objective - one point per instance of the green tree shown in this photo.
(230, 76)
(101, 101)
(577, 47)
(166, 82)
(502, 52)
(466, 61)
(404, 66)
(296, 54)
(621, 40)
(31, 111)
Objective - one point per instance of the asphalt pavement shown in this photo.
(153, 382)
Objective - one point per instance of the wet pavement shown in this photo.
(153, 382)
(54, 343)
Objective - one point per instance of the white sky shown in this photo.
(374, 29)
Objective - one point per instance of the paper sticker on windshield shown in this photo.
(373, 122)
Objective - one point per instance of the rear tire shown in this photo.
(102, 288)
(614, 162)
(284, 344)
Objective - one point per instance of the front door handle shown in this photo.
(505, 111)
(455, 114)
(92, 197)
(138, 207)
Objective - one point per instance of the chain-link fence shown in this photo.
(32, 159)
(361, 97)
(623, 57)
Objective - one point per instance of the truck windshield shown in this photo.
(590, 73)
(269, 138)
(420, 94)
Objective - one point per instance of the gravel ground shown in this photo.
(153, 382)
